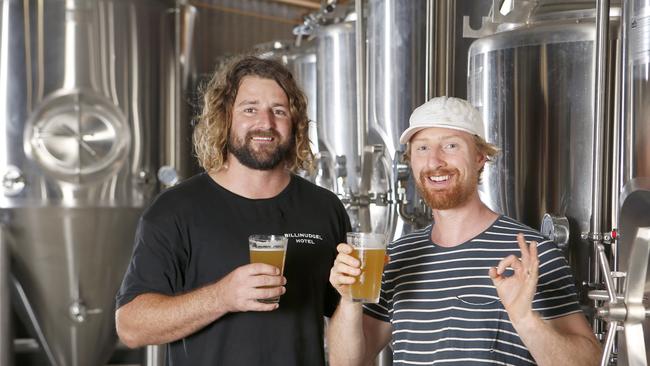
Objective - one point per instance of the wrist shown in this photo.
(527, 321)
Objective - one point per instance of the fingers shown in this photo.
(529, 257)
(511, 261)
(254, 269)
(492, 272)
(344, 270)
(266, 281)
(256, 305)
(344, 248)
(266, 293)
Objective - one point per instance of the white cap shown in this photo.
(445, 112)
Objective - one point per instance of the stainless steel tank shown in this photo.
(396, 86)
(635, 151)
(534, 85)
(79, 112)
(336, 106)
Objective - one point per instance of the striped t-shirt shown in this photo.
(442, 304)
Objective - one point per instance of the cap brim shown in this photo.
(409, 132)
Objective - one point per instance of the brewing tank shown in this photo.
(534, 86)
(635, 153)
(396, 49)
(337, 103)
(79, 112)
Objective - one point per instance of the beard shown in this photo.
(266, 157)
(444, 199)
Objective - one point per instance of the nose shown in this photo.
(267, 119)
(435, 159)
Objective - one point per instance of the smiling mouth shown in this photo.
(262, 138)
(439, 178)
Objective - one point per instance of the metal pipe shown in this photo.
(429, 69)
(618, 133)
(29, 318)
(5, 324)
(155, 355)
(443, 50)
(600, 100)
(609, 281)
(362, 125)
(609, 343)
(602, 30)
(360, 43)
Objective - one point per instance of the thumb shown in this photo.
(494, 276)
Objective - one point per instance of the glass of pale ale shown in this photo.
(370, 250)
(269, 249)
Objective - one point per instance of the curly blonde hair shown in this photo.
(213, 129)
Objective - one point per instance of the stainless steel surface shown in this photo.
(176, 60)
(80, 92)
(29, 316)
(635, 149)
(6, 342)
(363, 215)
(601, 97)
(534, 86)
(634, 257)
(397, 71)
(636, 91)
(443, 47)
(336, 107)
(155, 355)
(556, 228)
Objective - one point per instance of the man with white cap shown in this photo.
(472, 288)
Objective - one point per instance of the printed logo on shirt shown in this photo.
(304, 238)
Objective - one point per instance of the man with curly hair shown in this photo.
(189, 283)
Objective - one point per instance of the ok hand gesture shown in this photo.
(517, 291)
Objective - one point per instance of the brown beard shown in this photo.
(265, 159)
(449, 198)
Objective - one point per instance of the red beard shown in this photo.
(444, 199)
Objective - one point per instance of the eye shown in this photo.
(280, 112)
(451, 146)
(421, 148)
(249, 110)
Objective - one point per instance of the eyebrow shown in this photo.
(443, 138)
(248, 101)
(256, 102)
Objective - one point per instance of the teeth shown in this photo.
(257, 138)
(439, 178)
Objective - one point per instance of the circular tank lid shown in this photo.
(78, 137)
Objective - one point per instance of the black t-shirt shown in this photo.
(197, 232)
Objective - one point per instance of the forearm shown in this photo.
(156, 319)
(345, 336)
(550, 347)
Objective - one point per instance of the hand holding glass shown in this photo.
(370, 250)
(269, 249)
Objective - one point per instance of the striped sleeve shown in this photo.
(556, 293)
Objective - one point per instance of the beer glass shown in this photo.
(269, 249)
(370, 250)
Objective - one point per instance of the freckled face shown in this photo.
(261, 133)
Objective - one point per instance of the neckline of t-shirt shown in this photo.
(221, 188)
(465, 242)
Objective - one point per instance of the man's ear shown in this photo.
(481, 159)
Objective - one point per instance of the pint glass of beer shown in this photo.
(269, 249)
(370, 250)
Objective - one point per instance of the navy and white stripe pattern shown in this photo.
(442, 304)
